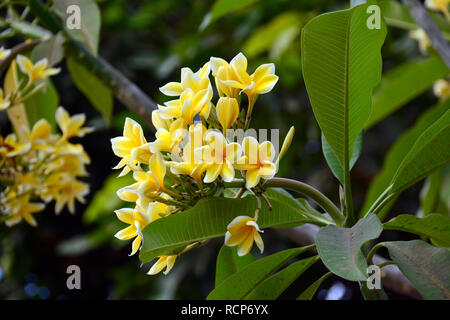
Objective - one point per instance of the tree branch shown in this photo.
(391, 276)
(24, 46)
(420, 15)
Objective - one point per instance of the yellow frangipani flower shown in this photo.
(35, 71)
(137, 221)
(22, 208)
(163, 262)
(168, 261)
(132, 147)
(10, 147)
(190, 164)
(242, 232)
(257, 161)
(4, 101)
(4, 53)
(227, 110)
(64, 189)
(39, 136)
(422, 39)
(219, 155)
(71, 126)
(441, 89)
(439, 5)
(169, 139)
(195, 92)
(152, 181)
(260, 82)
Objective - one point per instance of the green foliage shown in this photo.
(339, 248)
(309, 293)
(228, 263)
(430, 152)
(398, 151)
(273, 287)
(396, 87)
(223, 7)
(341, 64)
(95, 91)
(43, 105)
(30, 30)
(209, 219)
(333, 162)
(52, 49)
(433, 226)
(424, 265)
(241, 283)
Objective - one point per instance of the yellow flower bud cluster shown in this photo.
(191, 158)
(41, 167)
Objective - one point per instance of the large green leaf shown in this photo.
(430, 152)
(43, 105)
(272, 287)
(240, 284)
(341, 61)
(396, 87)
(30, 30)
(333, 162)
(397, 15)
(430, 198)
(228, 263)
(94, 90)
(427, 267)
(309, 292)
(340, 248)
(434, 226)
(210, 217)
(398, 151)
(90, 21)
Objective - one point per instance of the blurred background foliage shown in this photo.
(149, 41)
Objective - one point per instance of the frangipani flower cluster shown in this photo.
(192, 156)
(41, 167)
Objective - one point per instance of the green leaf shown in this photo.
(223, 7)
(105, 200)
(263, 38)
(272, 287)
(333, 162)
(434, 226)
(90, 21)
(396, 87)
(425, 266)
(43, 105)
(30, 30)
(210, 217)
(238, 285)
(309, 293)
(398, 151)
(397, 15)
(430, 198)
(340, 248)
(94, 90)
(51, 49)
(430, 152)
(341, 61)
(228, 263)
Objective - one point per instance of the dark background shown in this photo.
(149, 42)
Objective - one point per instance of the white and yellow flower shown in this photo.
(4, 52)
(258, 161)
(439, 5)
(4, 101)
(132, 147)
(227, 110)
(22, 208)
(71, 126)
(441, 89)
(242, 232)
(35, 71)
(220, 157)
(422, 39)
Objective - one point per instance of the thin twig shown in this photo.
(420, 15)
(24, 46)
